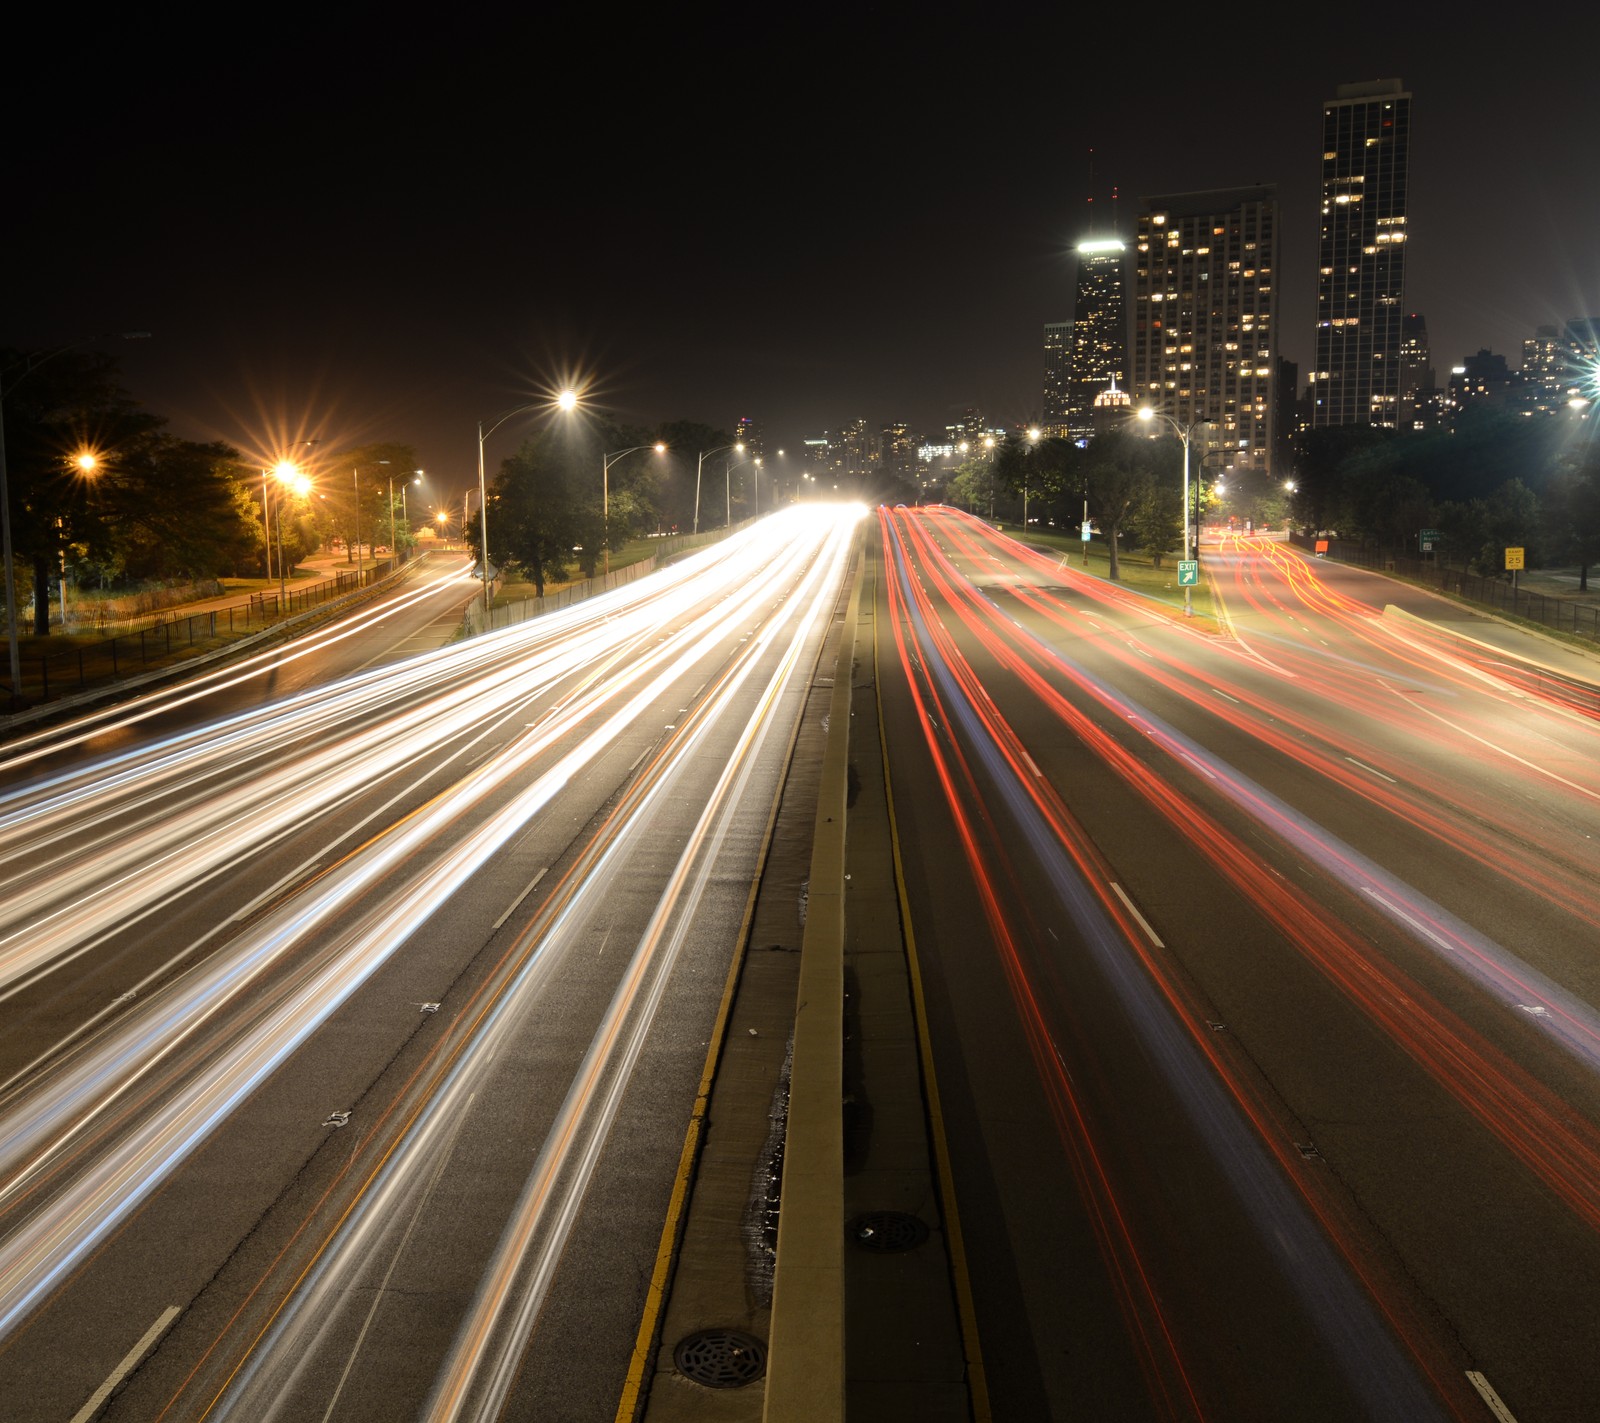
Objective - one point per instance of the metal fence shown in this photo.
(1561, 614)
(502, 615)
(53, 674)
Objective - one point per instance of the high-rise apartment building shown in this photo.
(1057, 363)
(1099, 331)
(748, 433)
(1204, 309)
(1366, 147)
(1418, 390)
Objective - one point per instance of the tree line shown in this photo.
(1495, 481)
(101, 491)
(555, 507)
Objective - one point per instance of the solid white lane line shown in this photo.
(1488, 1395)
(532, 884)
(1371, 770)
(130, 1361)
(1134, 910)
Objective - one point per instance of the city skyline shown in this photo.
(368, 240)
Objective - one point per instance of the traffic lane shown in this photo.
(1527, 885)
(559, 1018)
(1501, 641)
(1182, 911)
(1545, 864)
(331, 1071)
(424, 607)
(171, 936)
(1194, 1241)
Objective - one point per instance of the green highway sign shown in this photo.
(1188, 572)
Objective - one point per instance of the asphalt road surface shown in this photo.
(1262, 975)
(352, 1025)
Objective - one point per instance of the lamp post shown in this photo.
(698, 466)
(29, 365)
(1183, 432)
(1033, 443)
(727, 475)
(565, 401)
(287, 474)
(606, 461)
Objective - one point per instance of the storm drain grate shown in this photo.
(888, 1231)
(720, 1358)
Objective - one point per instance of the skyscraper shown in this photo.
(1366, 145)
(1057, 362)
(1419, 402)
(1204, 316)
(1099, 331)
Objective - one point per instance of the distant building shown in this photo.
(897, 451)
(1112, 407)
(1484, 380)
(1419, 394)
(1099, 331)
(1057, 365)
(1290, 414)
(1366, 148)
(1204, 317)
(747, 433)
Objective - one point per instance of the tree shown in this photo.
(1572, 513)
(673, 478)
(95, 477)
(1155, 519)
(533, 518)
(1121, 468)
(368, 470)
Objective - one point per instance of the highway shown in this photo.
(1261, 978)
(353, 1024)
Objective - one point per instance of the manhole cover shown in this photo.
(888, 1231)
(720, 1358)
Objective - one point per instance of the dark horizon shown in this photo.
(368, 236)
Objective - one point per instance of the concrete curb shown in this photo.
(805, 1361)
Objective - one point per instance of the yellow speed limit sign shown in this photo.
(1514, 559)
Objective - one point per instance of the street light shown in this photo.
(567, 400)
(1183, 432)
(606, 461)
(289, 476)
(699, 464)
(727, 475)
(29, 365)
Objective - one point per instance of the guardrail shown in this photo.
(1560, 614)
(50, 675)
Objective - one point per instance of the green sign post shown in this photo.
(1188, 572)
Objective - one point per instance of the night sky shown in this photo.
(354, 226)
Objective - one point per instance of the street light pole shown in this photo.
(29, 365)
(698, 466)
(606, 461)
(565, 401)
(1183, 432)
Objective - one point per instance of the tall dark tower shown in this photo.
(1057, 359)
(1366, 146)
(1099, 331)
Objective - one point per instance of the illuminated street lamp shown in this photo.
(606, 461)
(29, 364)
(1183, 431)
(567, 400)
(699, 464)
(727, 475)
(289, 475)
